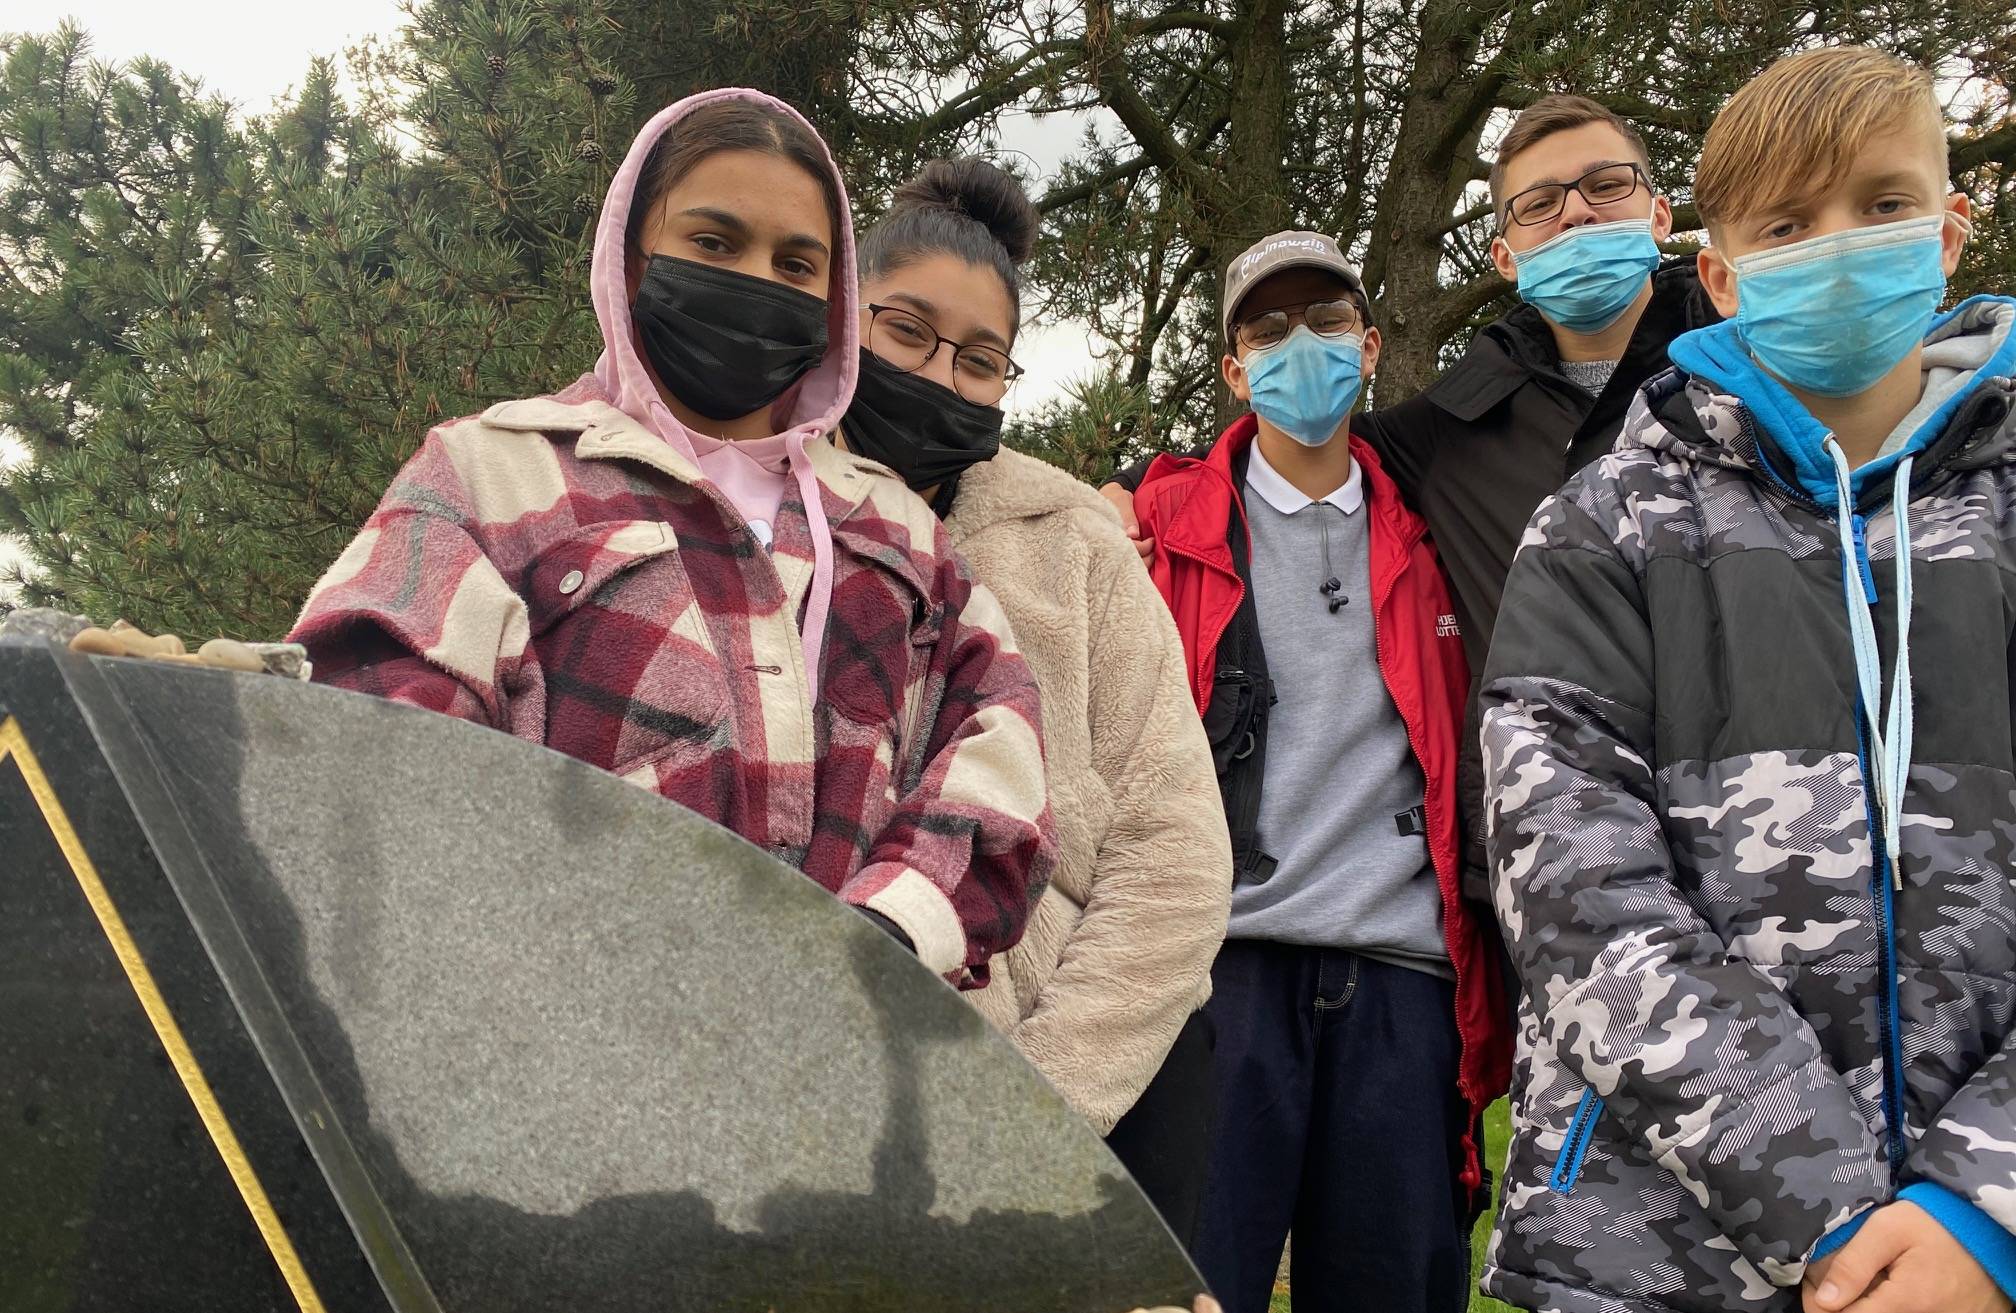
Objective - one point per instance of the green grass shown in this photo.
(1497, 1130)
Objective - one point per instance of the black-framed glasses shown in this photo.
(901, 340)
(1604, 185)
(1336, 318)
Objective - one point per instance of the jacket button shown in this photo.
(570, 581)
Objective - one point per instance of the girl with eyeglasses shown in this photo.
(1103, 993)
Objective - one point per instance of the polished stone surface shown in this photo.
(553, 1041)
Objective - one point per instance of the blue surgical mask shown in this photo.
(1831, 315)
(1585, 279)
(1306, 385)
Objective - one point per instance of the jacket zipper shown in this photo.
(1568, 1167)
(1881, 896)
(1881, 892)
(1862, 569)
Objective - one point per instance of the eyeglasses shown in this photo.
(1323, 318)
(980, 374)
(1600, 186)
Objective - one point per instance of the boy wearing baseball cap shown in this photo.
(1357, 1005)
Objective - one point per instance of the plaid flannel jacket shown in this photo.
(553, 569)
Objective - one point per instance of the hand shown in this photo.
(1123, 502)
(1809, 1288)
(1901, 1261)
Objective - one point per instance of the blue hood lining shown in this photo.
(1717, 355)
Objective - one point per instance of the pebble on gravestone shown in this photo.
(44, 622)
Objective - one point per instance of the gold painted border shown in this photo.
(14, 744)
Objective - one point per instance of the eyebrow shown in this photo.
(1897, 180)
(735, 224)
(804, 242)
(732, 222)
(1551, 181)
(981, 336)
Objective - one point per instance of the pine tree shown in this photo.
(1222, 120)
(220, 341)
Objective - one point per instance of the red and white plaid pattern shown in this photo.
(553, 569)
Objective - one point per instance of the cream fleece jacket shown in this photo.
(1118, 953)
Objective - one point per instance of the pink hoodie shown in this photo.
(752, 475)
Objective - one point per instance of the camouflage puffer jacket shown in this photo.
(1737, 1036)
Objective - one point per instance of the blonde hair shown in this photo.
(1800, 124)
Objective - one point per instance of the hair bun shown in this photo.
(988, 195)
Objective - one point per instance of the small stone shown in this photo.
(94, 641)
(230, 654)
(287, 660)
(44, 622)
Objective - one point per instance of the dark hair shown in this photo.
(725, 125)
(965, 207)
(1547, 116)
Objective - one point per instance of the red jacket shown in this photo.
(1189, 506)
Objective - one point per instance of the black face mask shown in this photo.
(924, 431)
(726, 344)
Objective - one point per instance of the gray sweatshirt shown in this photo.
(1341, 787)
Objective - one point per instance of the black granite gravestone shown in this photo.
(309, 1001)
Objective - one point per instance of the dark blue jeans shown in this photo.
(1338, 1117)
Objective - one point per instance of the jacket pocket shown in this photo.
(630, 669)
(881, 639)
(569, 575)
(1568, 1167)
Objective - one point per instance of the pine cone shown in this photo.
(602, 84)
(584, 204)
(496, 65)
(588, 149)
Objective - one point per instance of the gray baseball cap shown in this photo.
(1270, 255)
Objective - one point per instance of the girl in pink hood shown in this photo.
(662, 572)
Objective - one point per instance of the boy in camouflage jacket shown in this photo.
(1752, 824)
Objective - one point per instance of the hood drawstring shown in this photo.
(1890, 746)
(819, 598)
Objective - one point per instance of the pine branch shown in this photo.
(1115, 81)
(1481, 210)
(1183, 21)
(1153, 324)
(1058, 198)
(1994, 147)
(1454, 306)
(1034, 68)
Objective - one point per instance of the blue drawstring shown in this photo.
(1890, 754)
